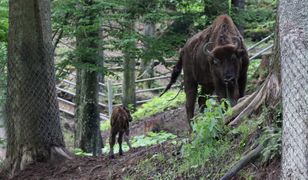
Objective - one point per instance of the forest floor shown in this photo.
(126, 166)
(103, 167)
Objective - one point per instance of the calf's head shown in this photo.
(225, 64)
(130, 118)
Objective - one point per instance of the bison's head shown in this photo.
(225, 63)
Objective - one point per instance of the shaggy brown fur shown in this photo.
(120, 119)
(216, 59)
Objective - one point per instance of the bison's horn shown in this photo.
(205, 50)
(237, 41)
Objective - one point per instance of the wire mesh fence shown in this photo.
(294, 72)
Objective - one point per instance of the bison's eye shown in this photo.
(216, 61)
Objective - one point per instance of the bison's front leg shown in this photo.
(191, 94)
(243, 76)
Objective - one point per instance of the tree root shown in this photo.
(59, 154)
(243, 162)
(269, 91)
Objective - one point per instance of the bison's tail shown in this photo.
(175, 74)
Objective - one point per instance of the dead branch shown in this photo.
(243, 162)
(58, 39)
(96, 167)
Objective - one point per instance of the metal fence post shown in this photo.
(110, 96)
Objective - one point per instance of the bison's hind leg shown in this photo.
(191, 95)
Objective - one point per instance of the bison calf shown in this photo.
(120, 119)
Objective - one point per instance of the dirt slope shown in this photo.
(85, 168)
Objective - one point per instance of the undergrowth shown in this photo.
(214, 148)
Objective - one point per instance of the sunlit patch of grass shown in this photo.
(159, 104)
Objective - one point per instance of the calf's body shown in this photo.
(119, 122)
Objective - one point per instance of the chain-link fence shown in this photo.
(294, 62)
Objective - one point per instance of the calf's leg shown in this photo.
(120, 143)
(111, 143)
(126, 138)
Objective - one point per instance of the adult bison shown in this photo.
(216, 59)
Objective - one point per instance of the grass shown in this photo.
(159, 104)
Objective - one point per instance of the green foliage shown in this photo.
(105, 126)
(152, 138)
(159, 104)
(3, 72)
(259, 19)
(4, 14)
(272, 139)
(272, 134)
(208, 137)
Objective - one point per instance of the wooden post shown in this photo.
(110, 96)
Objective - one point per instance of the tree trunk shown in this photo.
(129, 95)
(87, 113)
(101, 75)
(212, 9)
(33, 122)
(239, 8)
(293, 27)
(147, 65)
(129, 88)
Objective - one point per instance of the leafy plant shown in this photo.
(208, 137)
(272, 135)
(272, 140)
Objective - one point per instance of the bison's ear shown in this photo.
(240, 52)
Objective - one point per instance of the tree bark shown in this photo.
(129, 87)
(293, 27)
(147, 65)
(87, 32)
(33, 122)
